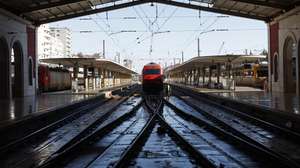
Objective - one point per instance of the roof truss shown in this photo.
(28, 9)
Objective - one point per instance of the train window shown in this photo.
(262, 73)
(247, 66)
(151, 71)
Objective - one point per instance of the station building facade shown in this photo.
(17, 56)
(284, 52)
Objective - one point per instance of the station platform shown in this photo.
(289, 103)
(19, 109)
(275, 101)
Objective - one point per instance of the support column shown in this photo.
(99, 78)
(184, 77)
(203, 77)
(218, 72)
(85, 76)
(104, 78)
(114, 78)
(209, 78)
(75, 78)
(108, 76)
(191, 77)
(229, 71)
(119, 78)
(198, 78)
(94, 78)
(194, 77)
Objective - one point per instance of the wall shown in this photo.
(14, 29)
(286, 25)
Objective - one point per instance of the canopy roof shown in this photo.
(89, 62)
(45, 11)
(205, 61)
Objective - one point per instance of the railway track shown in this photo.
(118, 142)
(147, 131)
(279, 142)
(159, 134)
(35, 150)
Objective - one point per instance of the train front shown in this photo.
(152, 78)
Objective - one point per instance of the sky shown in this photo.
(175, 30)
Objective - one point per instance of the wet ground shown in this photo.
(19, 108)
(161, 148)
(276, 100)
(94, 152)
(263, 135)
(220, 151)
(161, 151)
(38, 151)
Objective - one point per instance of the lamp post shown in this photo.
(204, 32)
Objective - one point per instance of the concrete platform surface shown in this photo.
(26, 107)
(16, 109)
(275, 100)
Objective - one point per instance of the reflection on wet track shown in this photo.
(154, 131)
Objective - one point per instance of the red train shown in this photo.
(152, 77)
(54, 79)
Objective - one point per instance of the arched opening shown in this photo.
(4, 69)
(289, 55)
(275, 67)
(16, 63)
(30, 72)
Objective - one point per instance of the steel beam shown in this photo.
(167, 2)
(49, 5)
(99, 10)
(8, 8)
(209, 9)
(264, 3)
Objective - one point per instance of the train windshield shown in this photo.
(263, 72)
(151, 71)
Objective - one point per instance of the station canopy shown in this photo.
(89, 62)
(206, 61)
(45, 11)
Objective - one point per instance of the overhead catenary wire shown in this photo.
(170, 30)
(159, 14)
(162, 25)
(107, 33)
(190, 41)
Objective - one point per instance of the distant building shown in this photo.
(117, 58)
(44, 41)
(54, 42)
(127, 63)
(56, 48)
(64, 35)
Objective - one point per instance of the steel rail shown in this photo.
(137, 143)
(87, 130)
(142, 136)
(140, 140)
(237, 136)
(200, 158)
(76, 114)
(75, 145)
(185, 125)
(67, 119)
(267, 124)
